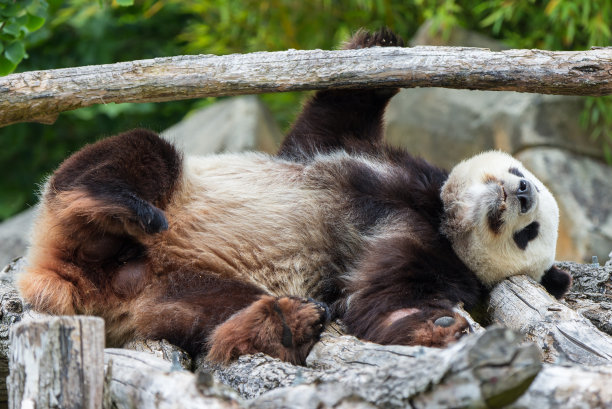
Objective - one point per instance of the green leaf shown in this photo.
(15, 52)
(34, 22)
(13, 29)
(10, 11)
(125, 3)
(6, 67)
(38, 8)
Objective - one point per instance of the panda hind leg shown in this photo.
(282, 327)
(95, 212)
(119, 184)
(349, 119)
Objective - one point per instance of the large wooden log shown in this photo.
(488, 369)
(345, 371)
(591, 292)
(57, 362)
(42, 95)
(568, 388)
(562, 334)
(141, 380)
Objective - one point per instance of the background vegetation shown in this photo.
(45, 34)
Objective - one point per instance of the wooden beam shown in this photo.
(41, 95)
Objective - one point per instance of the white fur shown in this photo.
(467, 197)
(258, 217)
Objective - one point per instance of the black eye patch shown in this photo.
(523, 237)
(516, 172)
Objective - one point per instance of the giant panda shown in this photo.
(233, 254)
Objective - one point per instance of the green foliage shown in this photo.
(67, 33)
(17, 19)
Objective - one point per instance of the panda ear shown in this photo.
(556, 282)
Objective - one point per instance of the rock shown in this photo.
(468, 122)
(231, 125)
(458, 36)
(583, 189)
(14, 236)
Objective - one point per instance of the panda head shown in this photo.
(500, 219)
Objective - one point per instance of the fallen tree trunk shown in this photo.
(41, 95)
(483, 370)
(563, 335)
(591, 292)
(140, 380)
(568, 387)
(487, 369)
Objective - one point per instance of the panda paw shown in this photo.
(151, 219)
(556, 281)
(283, 327)
(381, 38)
(442, 329)
(425, 325)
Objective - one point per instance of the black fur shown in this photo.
(556, 281)
(516, 172)
(523, 237)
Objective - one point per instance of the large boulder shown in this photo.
(231, 125)
(448, 125)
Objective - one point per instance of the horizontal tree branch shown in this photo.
(42, 95)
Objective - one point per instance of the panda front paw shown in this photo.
(151, 219)
(283, 327)
(556, 281)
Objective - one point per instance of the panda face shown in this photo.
(500, 218)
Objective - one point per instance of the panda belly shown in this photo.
(250, 217)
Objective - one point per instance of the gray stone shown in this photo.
(447, 125)
(427, 35)
(231, 125)
(583, 189)
(14, 236)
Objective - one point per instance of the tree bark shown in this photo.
(41, 95)
(591, 292)
(563, 335)
(489, 368)
(141, 380)
(57, 362)
(568, 387)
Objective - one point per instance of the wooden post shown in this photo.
(57, 362)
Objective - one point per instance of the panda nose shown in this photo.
(525, 195)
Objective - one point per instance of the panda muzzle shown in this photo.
(525, 195)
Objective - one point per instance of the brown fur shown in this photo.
(261, 328)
